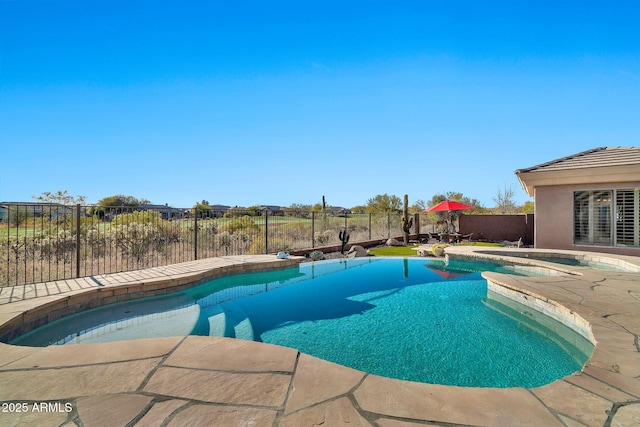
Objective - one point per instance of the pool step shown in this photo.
(237, 324)
(217, 321)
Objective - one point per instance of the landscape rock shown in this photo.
(357, 251)
(394, 242)
(316, 256)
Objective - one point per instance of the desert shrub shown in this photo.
(16, 215)
(238, 243)
(323, 238)
(64, 220)
(224, 240)
(209, 228)
(206, 233)
(60, 245)
(95, 241)
(438, 249)
(164, 236)
(18, 247)
(276, 244)
(135, 239)
(244, 224)
(297, 231)
(88, 221)
(138, 217)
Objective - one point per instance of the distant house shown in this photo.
(33, 209)
(270, 210)
(166, 211)
(587, 201)
(219, 210)
(338, 210)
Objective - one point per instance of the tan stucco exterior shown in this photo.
(553, 185)
(554, 217)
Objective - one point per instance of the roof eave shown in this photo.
(595, 175)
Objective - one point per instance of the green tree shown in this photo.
(121, 200)
(16, 215)
(419, 206)
(527, 208)
(202, 209)
(117, 204)
(253, 210)
(443, 218)
(384, 203)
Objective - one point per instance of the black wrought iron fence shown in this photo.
(41, 242)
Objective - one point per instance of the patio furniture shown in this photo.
(466, 237)
(446, 238)
(453, 238)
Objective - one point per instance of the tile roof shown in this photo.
(597, 157)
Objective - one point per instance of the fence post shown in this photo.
(369, 225)
(78, 240)
(266, 232)
(388, 225)
(195, 233)
(313, 229)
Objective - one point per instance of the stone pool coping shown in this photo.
(223, 381)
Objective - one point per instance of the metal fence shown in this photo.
(42, 242)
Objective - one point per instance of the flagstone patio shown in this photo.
(208, 381)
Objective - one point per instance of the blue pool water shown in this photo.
(405, 318)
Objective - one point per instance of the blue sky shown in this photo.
(281, 102)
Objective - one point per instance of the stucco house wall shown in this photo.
(613, 226)
(554, 209)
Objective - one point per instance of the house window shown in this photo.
(628, 217)
(593, 221)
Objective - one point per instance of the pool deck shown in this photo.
(213, 381)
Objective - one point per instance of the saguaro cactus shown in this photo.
(407, 222)
(324, 214)
(344, 238)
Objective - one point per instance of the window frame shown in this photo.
(597, 221)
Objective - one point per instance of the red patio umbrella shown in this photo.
(448, 205)
(445, 274)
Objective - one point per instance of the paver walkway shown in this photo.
(213, 381)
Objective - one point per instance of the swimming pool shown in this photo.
(406, 318)
(595, 261)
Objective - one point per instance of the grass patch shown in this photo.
(395, 251)
(410, 251)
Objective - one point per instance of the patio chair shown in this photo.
(466, 238)
(446, 238)
(433, 237)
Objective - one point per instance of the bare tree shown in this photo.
(504, 200)
(60, 197)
